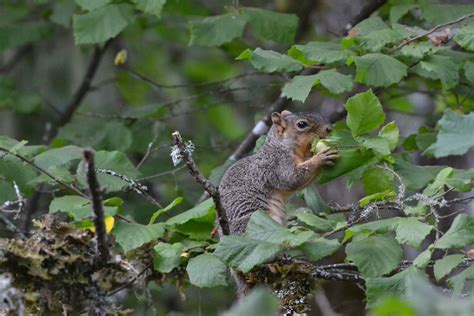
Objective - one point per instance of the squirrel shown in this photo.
(283, 165)
(265, 180)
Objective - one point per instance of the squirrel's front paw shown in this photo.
(326, 157)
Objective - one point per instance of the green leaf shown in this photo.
(375, 255)
(376, 180)
(167, 256)
(314, 200)
(318, 223)
(437, 187)
(244, 253)
(78, 207)
(319, 248)
(457, 282)
(408, 230)
(270, 61)
(350, 159)
(417, 50)
(132, 235)
(445, 265)
(102, 24)
(322, 52)
(423, 259)
(439, 68)
(197, 223)
(396, 285)
(201, 212)
(58, 156)
(300, 86)
(460, 234)
(150, 6)
(451, 139)
(391, 133)
(90, 5)
(216, 30)
(465, 37)
(258, 302)
(415, 177)
(469, 71)
(380, 146)
(379, 70)
(461, 180)
(12, 169)
(262, 227)
(207, 270)
(379, 196)
(388, 305)
(170, 206)
(269, 25)
(110, 160)
(364, 113)
(412, 232)
(380, 38)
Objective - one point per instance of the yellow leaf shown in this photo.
(109, 224)
(120, 58)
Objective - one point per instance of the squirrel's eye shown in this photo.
(302, 124)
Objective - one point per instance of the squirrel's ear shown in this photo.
(278, 120)
(285, 113)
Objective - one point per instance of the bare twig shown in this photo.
(431, 31)
(205, 184)
(147, 153)
(135, 186)
(164, 173)
(155, 84)
(103, 254)
(128, 284)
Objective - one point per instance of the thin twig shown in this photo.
(195, 85)
(135, 186)
(103, 254)
(434, 29)
(128, 284)
(164, 173)
(147, 153)
(205, 184)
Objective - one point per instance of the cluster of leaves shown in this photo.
(375, 55)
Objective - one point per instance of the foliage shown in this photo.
(381, 58)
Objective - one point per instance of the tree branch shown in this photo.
(103, 254)
(431, 31)
(203, 182)
(82, 91)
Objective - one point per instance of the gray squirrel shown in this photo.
(265, 180)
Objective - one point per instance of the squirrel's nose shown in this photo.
(328, 129)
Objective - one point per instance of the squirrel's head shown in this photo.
(300, 128)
